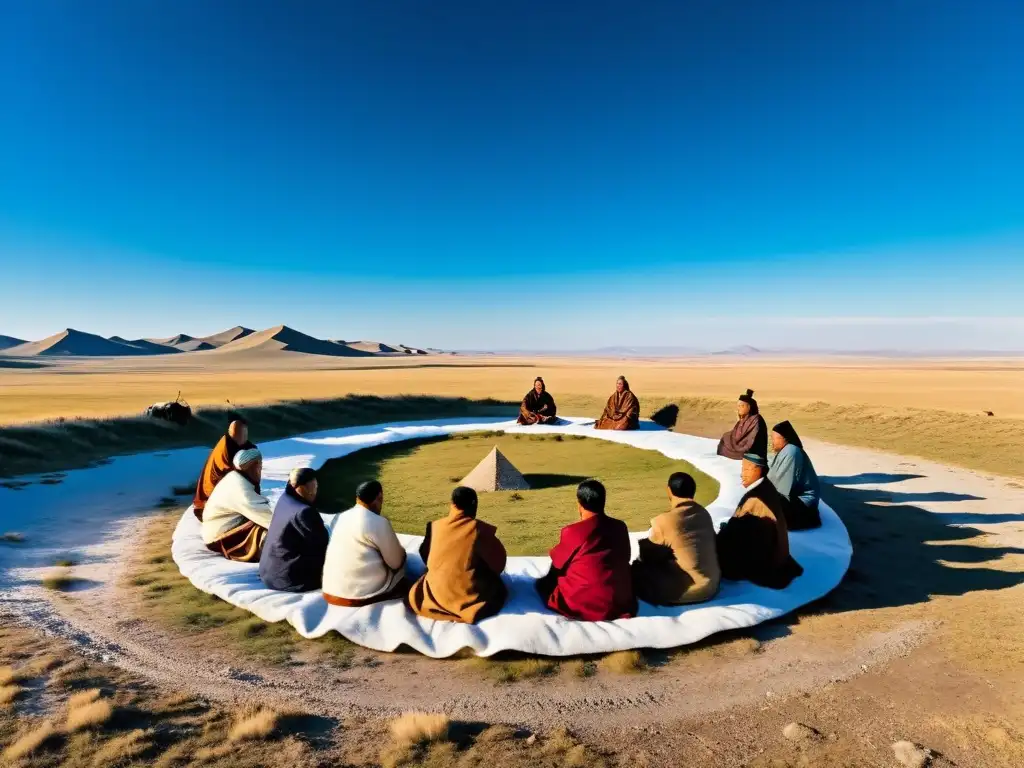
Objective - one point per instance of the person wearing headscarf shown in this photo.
(237, 516)
(365, 561)
(293, 555)
(590, 578)
(753, 545)
(678, 562)
(622, 410)
(538, 407)
(464, 561)
(218, 463)
(793, 475)
(749, 434)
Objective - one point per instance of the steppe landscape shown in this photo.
(920, 643)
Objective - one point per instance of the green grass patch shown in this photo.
(417, 483)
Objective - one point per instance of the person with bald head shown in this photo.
(218, 464)
(237, 516)
(753, 545)
(293, 555)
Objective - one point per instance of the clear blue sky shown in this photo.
(571, 174)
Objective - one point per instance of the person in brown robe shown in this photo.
(464, 562)
(749, 434)
(678, 563)
(218, 464)
(622, 410)
(538, 407)
(753, 545)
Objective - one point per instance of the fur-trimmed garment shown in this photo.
(753, 545)
(748, 435)
(464, 562)
(621, 412)
(236, 519)
(218, 464)
(678, 563)
(537, 409)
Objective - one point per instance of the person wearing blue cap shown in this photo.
(753, 545)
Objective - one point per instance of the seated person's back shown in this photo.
(590, 574)
(464, 562)
(679, 562)
(237, 516)
(293, 555)
(753, 544)
(365, 562)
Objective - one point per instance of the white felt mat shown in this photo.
(524, 624)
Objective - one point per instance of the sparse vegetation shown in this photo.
(66, 561)
(60, 581)
(253, 725)
(514, 670)
(30, 741)
(91, 715)
(624, 662)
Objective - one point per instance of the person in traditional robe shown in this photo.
(793, 475)
(590, 576)
(218, 463)
(538, 407)
(749, 434)
(678, 562)
(622, 410)
(365, 562)
(237, 516)
(293, 554)
(464, 562)
(753, 545)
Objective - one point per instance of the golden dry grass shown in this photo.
(624, 662)
(123, 749)
(254, 725)
(414, 728)
(30, 741)
(92, 715)
(8, 693)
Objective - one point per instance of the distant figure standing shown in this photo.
(293, 555)
(218, 464)
(749, 434)
(538, 406)
(793, 475)
(622, 411)
(464, 562)
(590, 578)
(753, 544)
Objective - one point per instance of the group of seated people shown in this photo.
(357, 560)
(621, 412)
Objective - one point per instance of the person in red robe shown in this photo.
(218, 463)
(590, 577)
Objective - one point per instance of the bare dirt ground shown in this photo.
(923, 642)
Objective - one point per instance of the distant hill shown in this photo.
(184, 343)
(281, 338)
(228, 336)
(742, 349)
(6, 342)
(72, 343)
(373, 347)
(146, 346)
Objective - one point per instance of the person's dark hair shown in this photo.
(625, 383)
(543, 386)
(301, 476)
(788, 433)
(682, 485)
(748, 398)
(369, 491)
(465, 500)
(591, 495)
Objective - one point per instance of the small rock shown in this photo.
(800, 733)
(912, 755)
(531, 739)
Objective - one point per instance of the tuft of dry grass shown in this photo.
(515, 670)
(61, 581)
(88, 715)
(416, 728)
(30, 742)
(583, 668)
(122, 749)
(624, 662)
(9, 675)
(8, 693)
(254, 725)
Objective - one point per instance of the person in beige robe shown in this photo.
(622, 410)
(753, 545)
(237, 515)
(218, 463)
(464, 562)
(678, 563)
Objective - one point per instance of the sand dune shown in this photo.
(373, 347)
(147, 346)
(74, 343)
(184, 343)
(228, 336)
(6, 342)
(281, 338)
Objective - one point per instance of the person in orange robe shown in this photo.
(622, 410)
(218, 464)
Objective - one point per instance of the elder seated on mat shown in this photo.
(236, 517)
(749, 434)
(538, 406)
(464, 562)
(753, 545)
(622, 411)
(590, 577)
(678, 564)
(293, 555)
(793, 475)
(218, 463)
(365, 562)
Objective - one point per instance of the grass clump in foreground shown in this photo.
(60, 581)
(417, 474)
